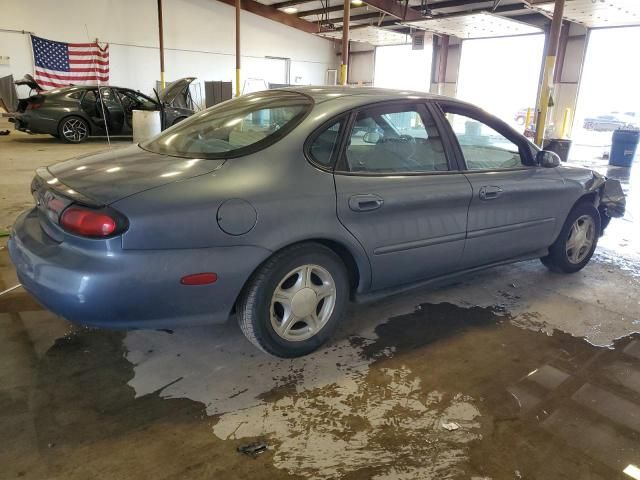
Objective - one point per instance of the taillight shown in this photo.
(33, 106)
(89, 223)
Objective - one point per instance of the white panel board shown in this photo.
(600, 13)
(475, 25)
(371, 35)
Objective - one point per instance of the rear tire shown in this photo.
(73, 130)
(577, 241)
(294, 302)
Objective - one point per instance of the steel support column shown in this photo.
(345, 42)
(548, 71)
(238, 8)
(161, 37)
(443, 57)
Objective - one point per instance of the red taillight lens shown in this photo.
(88, 223)
(33, 106)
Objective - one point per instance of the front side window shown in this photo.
(233, 128)
(483, 147)
(394, 140)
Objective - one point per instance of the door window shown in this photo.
(483, 147)
(395, 140)
(324, 145)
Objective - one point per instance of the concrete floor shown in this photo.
(512, 373)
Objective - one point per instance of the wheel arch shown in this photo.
(358, 271)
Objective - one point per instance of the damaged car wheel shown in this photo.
(577, 241)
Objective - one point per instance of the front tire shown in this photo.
(294, 301)
(73, 130)
(577, 241)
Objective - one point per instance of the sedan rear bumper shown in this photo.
(115, 288)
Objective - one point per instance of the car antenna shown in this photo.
(95, 69)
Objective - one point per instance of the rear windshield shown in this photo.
(237, 127)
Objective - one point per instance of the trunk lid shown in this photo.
(30, 82)
(107, 177)
(178, 90)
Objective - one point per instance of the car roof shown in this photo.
(321, 94)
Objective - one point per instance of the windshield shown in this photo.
(233, 128)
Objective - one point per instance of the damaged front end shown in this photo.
(611, 198)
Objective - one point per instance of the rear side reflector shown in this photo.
(199, 279)
(87, 222)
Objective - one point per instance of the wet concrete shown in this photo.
(511, 373)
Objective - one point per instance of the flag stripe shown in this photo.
(59, 84)
(88, 60)
(82, 53)
(79, 73)
(72, 77)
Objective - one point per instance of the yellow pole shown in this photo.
(547, 75)
(527, 118)
(565, 122)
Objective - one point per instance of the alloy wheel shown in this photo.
(581, 238)
(74, 130)
(302, 303)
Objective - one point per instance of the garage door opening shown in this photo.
(501, 75)
(609, 97)
(399, 66)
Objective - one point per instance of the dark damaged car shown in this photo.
(75, 113)
(279, 207)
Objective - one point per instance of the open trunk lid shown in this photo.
(103, 178)
(177, 91)
(30, 82)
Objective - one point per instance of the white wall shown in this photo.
(199, 39)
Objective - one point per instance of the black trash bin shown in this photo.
(559, 146)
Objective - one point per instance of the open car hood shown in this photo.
(177, 89)
(29, 81)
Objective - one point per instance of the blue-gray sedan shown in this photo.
(280, 206)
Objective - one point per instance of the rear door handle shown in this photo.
(490, 192)
(365, 203)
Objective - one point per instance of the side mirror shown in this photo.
(547, 159)
(371, 137)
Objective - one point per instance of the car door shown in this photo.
(514, 206)
(399, 195)
(114, 111)
(130, 101)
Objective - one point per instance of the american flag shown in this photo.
(59, 64)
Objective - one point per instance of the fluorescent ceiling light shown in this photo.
(632, 471)
(357, 3)
(290, 10)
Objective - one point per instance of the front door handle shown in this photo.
(490, 192)
(365, 203)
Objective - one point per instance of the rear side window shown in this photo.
(324, 145)
(237, 127)
(392, 139)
